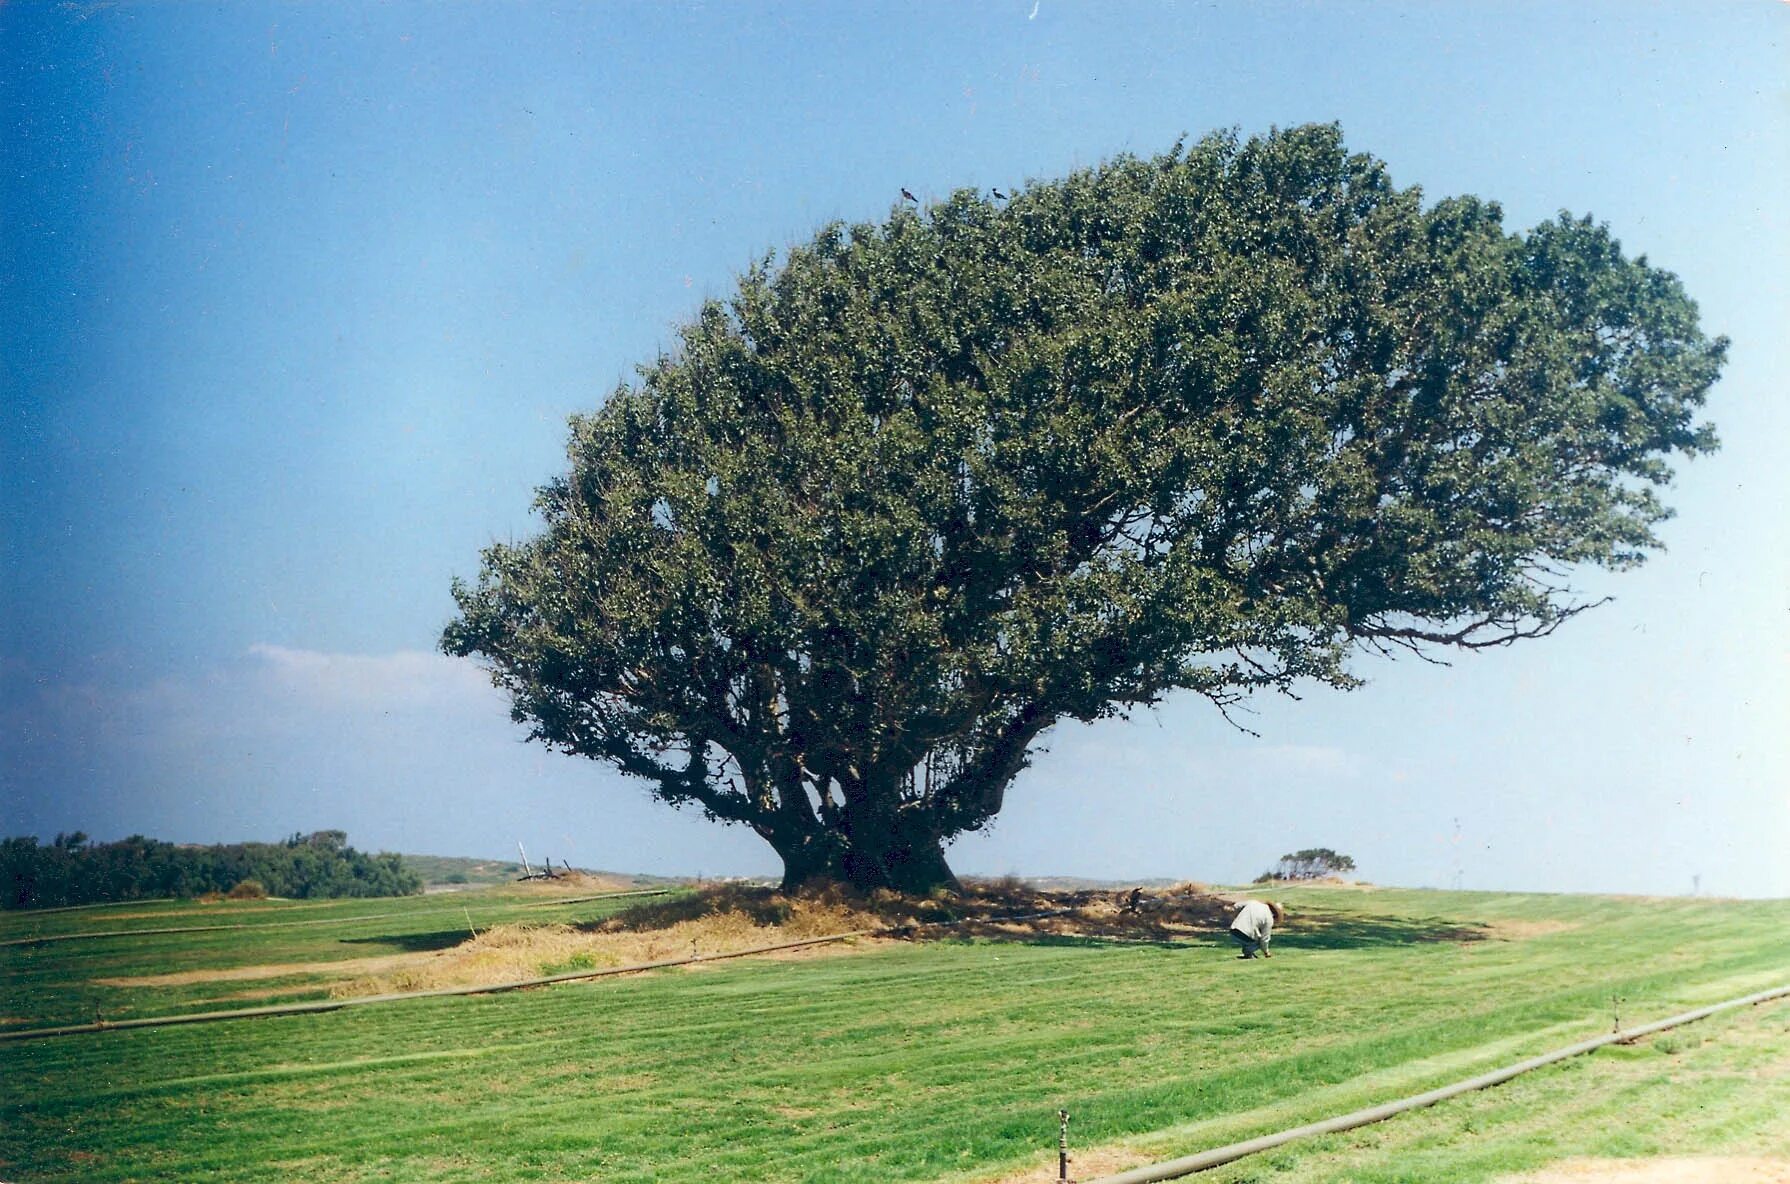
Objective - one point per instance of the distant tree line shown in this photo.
(1313, 863)
(71, 870)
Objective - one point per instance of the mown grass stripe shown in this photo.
(325, 1005)
(47, 938)
(1219, 1156)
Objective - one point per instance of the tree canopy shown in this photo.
(1310, 863)
(1207, 422)
(71, 870)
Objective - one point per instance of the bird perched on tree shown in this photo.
(998, 195)
(910, 197)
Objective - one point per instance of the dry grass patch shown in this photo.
(1700, 1169)
(1083, 1165)
(730, 909)
(722, 921)
(210, 905)
(338, 968)
(731, 918)
(565, 883)
(268, 994)
(1511, 929)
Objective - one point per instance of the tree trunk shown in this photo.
(806, 858)
(915, 866)
(909, 859)
(888, 845)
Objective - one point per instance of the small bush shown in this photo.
(1673, 1043)
(578, 961)
(454, 878)
(248, 890)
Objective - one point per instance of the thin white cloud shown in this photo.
(1140, 746)
(405, 678)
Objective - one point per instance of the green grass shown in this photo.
(930, 1062)
(53, 983)
(1722, 1087)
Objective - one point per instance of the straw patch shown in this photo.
(1511, 929)
(1701, 1169)
(1083, 1165)
(269, 994)
(703, 925)
(564, 882)
(338, 968)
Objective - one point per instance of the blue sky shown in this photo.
(295, 301)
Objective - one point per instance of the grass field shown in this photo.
(63, 982)
(937, 1061)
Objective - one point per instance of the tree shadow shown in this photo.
(1010, 911)
(1182, 921)
(413, 943)
(1323, 930)
(1164, 940)
(759, 904)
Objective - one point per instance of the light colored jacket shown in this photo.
(1254, 920)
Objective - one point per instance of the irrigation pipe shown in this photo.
(541, 904)
(45, 939)
(1218, 1156)
(246, 1013)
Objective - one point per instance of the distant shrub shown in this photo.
(247, 890)
(1313, 863)
(72, 870)
(454, 878)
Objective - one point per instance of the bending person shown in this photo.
(1253, 927)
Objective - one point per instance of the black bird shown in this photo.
(999, 196)
(910, 197)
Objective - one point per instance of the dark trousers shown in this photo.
(1251, 947)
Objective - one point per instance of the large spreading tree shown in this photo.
(1208, 422)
